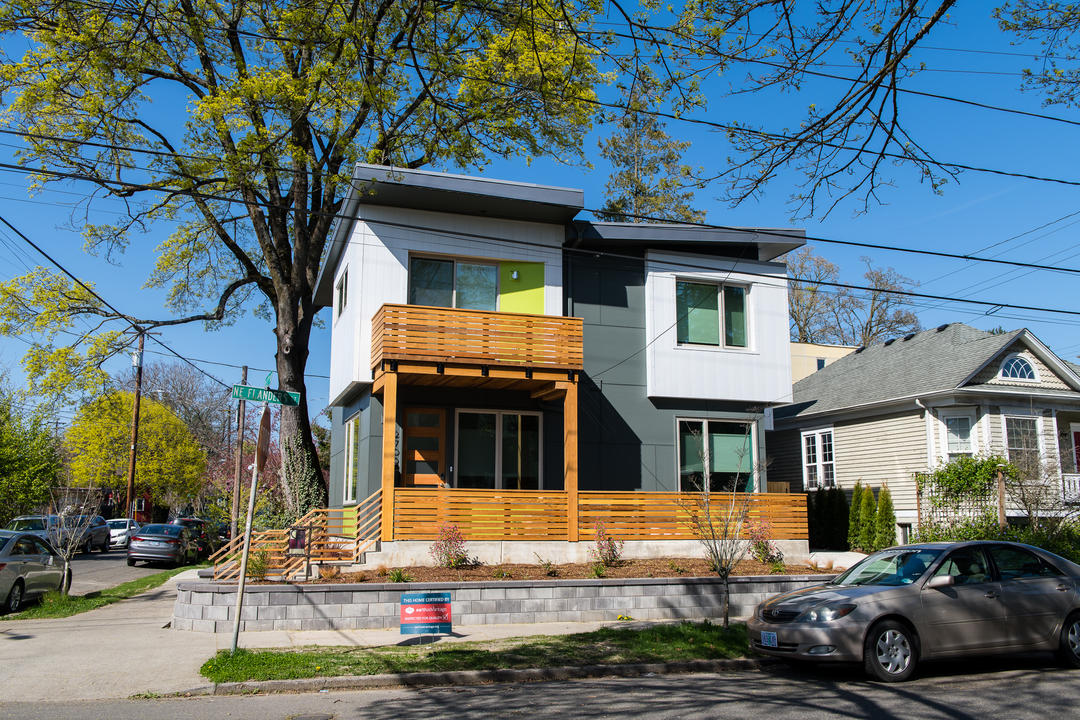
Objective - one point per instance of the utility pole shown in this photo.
(235, 515)
(137, 361)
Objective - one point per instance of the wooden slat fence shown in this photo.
(450, 335)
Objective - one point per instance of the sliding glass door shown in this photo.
(498, 450)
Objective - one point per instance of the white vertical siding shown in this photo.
(759, 373)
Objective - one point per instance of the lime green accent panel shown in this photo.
(525, 294)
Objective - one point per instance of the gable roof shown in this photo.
(940, 359)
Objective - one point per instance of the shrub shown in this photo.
(761, 544)
(550, 568)
(598, 570)
(854, 513)
(885, 530)
(777, 567)
(449, 549)
(867, 520)
(258, 565)
(399, 575)
(606, 549)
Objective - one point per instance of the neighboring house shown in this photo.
(893, 409)
(497, 363)
(807, 358)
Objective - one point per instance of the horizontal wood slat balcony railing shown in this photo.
(475, 337)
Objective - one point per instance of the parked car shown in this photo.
(47, 527)
(28, 568)
(93, 532)
(203, 532)
(906, 604)
(163, 543)
(120, 531)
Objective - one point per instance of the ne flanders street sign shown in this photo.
(425, 613)
(278, 397)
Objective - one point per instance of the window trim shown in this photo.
(1005, 415)
(341, 293)
(819, 463)
(719, 285)
(1013, 356)
(348, 492)
(498, 442)
(973, 430)
(454, 260)
(752, 422)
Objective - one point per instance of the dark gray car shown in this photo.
(901, 605)
(163, 543)
(28, 568)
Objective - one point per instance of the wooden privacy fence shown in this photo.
(450, 335)
(532, 515)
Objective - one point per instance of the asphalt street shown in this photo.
(98, 570)
(1029, 687)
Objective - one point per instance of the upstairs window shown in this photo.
(1017, 367)
(342, 289)
(706, 312)
(453, 283)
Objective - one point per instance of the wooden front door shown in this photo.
(424, 458)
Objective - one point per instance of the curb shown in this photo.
(472, 677)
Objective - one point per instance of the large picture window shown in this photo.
(453, 283)
(498, 450)
(723, 449)
(819, 469)
(707, 314)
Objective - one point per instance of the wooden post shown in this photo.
(1002, 522)
(389, 437)
(570, 459)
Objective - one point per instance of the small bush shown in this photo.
(867, 520)
(777, 567)
(550, 568)
(761, 545)
(449, 548)
(497, 574)
(258, 565)
(854, 512)
(598, 570)
(885, 521)
(399, 575)
(676, 567)
(606, 549)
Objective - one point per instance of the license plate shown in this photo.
(768, 639)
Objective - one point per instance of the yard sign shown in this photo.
(425, 613)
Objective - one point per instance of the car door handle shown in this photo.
(1063, 588)
(991, 594)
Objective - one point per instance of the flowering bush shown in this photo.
(761, 544)
(606, 550)
(449, 550)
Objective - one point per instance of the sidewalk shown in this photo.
(125, 649)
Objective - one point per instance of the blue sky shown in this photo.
(968, 58)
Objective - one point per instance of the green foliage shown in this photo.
(449, 549)
(171, 464)
(1063, 540)
(598, 570)
(258, 565)
(855, 516)
(964, 480)
(885, 520)
(867, 520)
(29, 459)
(399, 575)
(763, 549)
(606, 549)
(550, 568)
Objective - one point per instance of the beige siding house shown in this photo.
(807, 358)
(885, 412)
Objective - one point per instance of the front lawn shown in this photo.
(607, 646)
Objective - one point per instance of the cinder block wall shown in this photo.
(210, 607)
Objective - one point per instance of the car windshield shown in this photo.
(118, 524)
(170, 530)
(26, 524)
(899, 566)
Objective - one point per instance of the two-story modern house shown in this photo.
(499, 364)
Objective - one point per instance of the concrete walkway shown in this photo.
(126, 648)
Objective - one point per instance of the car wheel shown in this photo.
(105, 545)
(891, 651)
(14, 598)
(1069, 652)
(131, 562)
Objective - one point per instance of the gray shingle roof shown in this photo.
(933, 360)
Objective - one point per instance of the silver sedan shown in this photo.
(28, 568)
(901, 605)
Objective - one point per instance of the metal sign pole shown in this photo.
(260, 460)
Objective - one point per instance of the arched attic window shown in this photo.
(1018, 367)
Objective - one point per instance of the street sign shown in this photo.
(425, 613)
(278, 397)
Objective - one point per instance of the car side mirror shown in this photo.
(941, 581)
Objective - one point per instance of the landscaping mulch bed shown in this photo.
(648, 568)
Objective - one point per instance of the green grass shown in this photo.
(659, 643)
(55, 605)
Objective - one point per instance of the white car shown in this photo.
(120, 531)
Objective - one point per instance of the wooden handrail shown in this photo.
(475, 337)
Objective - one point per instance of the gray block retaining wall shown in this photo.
(210, 607)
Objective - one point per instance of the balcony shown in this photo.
(475, 342)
